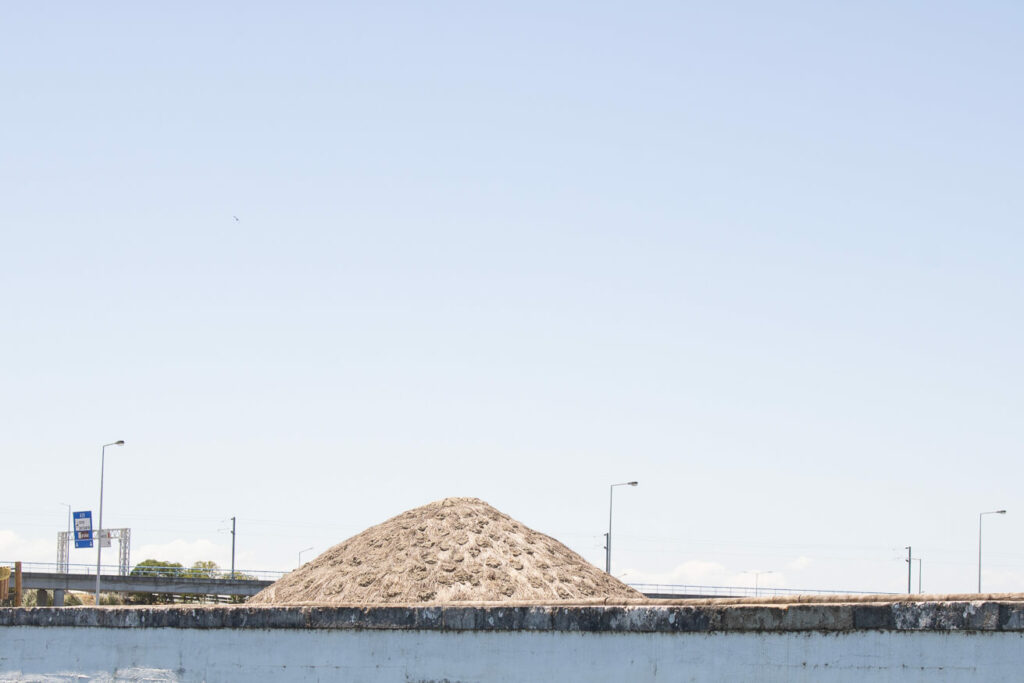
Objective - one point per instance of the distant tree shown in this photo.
(203, 569)
(157, 568)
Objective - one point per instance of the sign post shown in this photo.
(83, 529)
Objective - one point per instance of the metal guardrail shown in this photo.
(668, 589)
(147, 570)
(190, 586)
(738, 591)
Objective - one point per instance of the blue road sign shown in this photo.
(83, 529)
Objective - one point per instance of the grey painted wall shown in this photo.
(833, 641)
(400, 656)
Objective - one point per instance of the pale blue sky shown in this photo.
(766, 260)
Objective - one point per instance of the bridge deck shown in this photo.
(142, 584)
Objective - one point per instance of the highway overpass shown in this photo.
(59, 582)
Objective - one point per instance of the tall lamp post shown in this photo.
(910, 567)
(608, 536)
(980, 515)
(99, 529)
(302, 551)
(757, 575)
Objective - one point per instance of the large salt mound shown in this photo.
(452, 550)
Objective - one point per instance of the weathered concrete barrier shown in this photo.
(935, 639)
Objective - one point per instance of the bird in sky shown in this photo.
(236, 218)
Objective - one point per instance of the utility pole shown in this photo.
(232, 547)
(910, 567)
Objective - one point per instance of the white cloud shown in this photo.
(184, 552)
(14, 548)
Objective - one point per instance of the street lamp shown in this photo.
(980, 515)
(757, 575)
(99, 529)
(302, 551)
(608, 536)
(910, 566)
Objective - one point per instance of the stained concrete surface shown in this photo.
(831, 641)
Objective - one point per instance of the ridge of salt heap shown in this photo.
(451, 550)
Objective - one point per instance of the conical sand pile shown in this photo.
(452, 550)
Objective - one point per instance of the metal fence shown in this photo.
(738, 591)
(270, 575)
(148, 570)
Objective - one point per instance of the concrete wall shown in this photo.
(932, 641)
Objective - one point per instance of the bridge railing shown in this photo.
(738, 591)
(149, 570)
